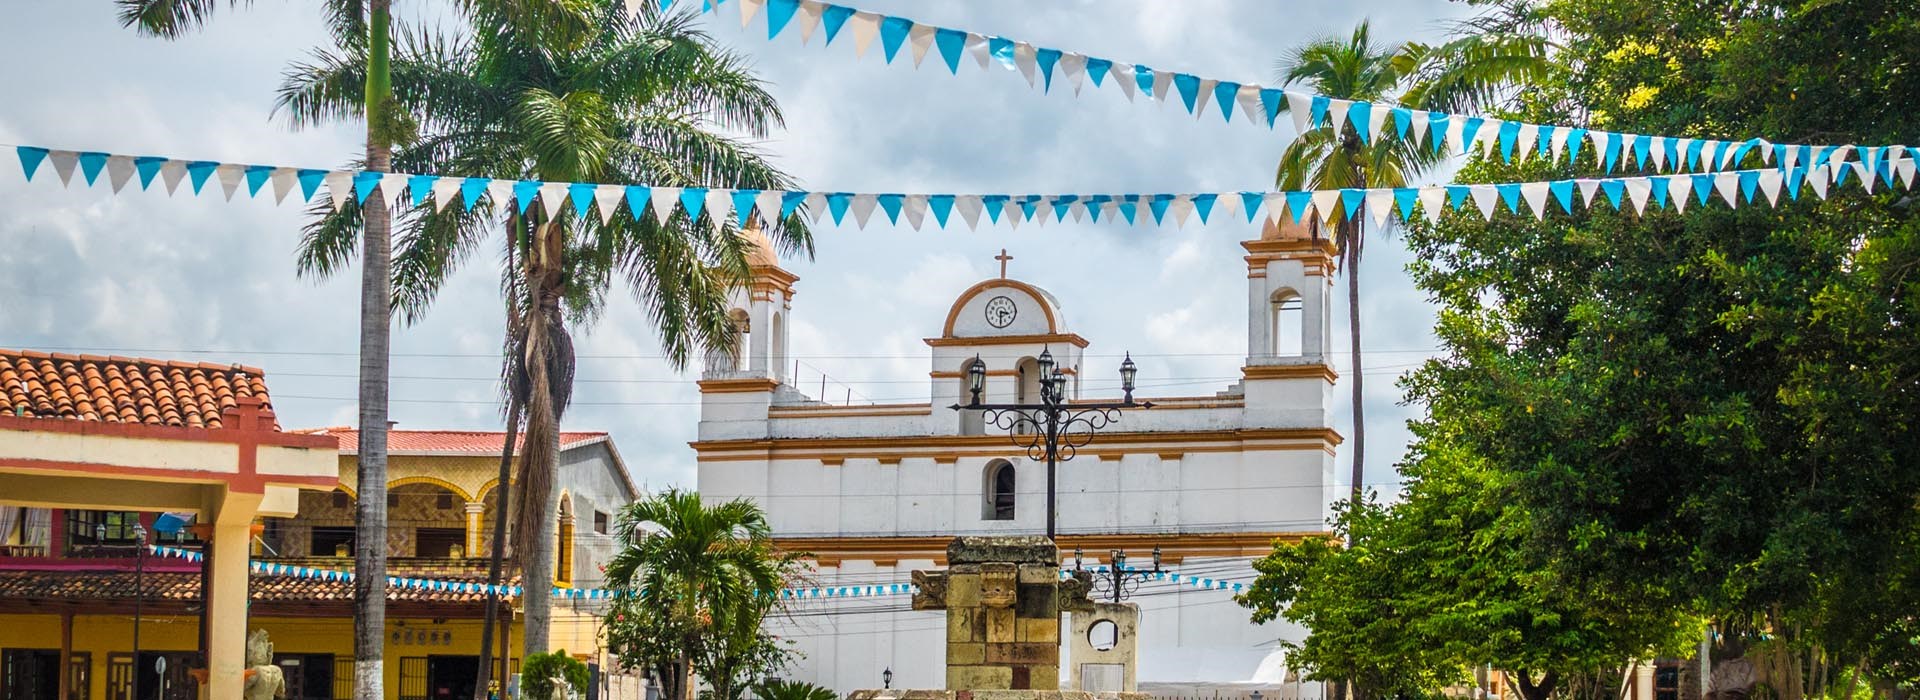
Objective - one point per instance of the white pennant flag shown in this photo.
(173, 171)
(719, 203)
(1684, 146)
(553, 199)
(1376, 121)
(863, 205)
(1200, 100)
(1840, 155)
(63, 163)
(748, 9)
(1529, 137)
(768, 202)
(1162, 84)
(865, 26)
(1679, 190)
(1587, 187)
(1535, 193)
(1433, 200)
(1818, 179)
(816, 203)
(230, 175)
(445, 191)
(1770, 181)
(1380, 205)
(920, 37)
(1227, 206)
(1249, 98)
(1024, 60)
(1301, 107)
(1123, 76)
(633, 7)
(1766, 150)
(392, 186)
(1325, 204)
(1421, 122)
(1456, 129)
(977, 48)
(500, 192)
(1659, 153)
(1904, 168)
(1639, 189)
(663, 202)
(1728, 185)
(1599, 139)
(339, 184)
(1182, 207)
(1791, 158)
(970, 208)
(1558, 142)
(1337, 115)
(809, 19)
(1726, 158)
(1486, 198)
(1075, 67)
(605, 197)
(914, 208)
(1011, 213)
(1079, 211)
(1487, 136)
(1866, 178)
(1275, 204)
(120, 170)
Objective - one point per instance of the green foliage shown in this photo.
(792, 690)
(539, 673)
(698, 582)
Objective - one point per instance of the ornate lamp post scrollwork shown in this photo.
(1118, 581)
(1054, 429)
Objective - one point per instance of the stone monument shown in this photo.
(1104, 648)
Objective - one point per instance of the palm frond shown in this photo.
(168, 19)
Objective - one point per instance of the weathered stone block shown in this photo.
(1023, 654)
(1026, 549)
(1039, 601)
(1022, 678)
(1001, 626)
(999, 584)
(1046, 676)
(979, 678)
(1039, 573)
(963, 590)
(966, 654)
(961, 627)
(1038, 630)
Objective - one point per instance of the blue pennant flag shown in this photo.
(1046, 59)
(470, 191)
(1693, 154)
(200, 170)
(1203, 203)
(1740, 153)
(833, 18)
(1028, 205)
(1406, 197)
(1224, 93)
(523, 193)
(1702, 187)
(637, 196)
(1509, 193)
(837, 205)
(952, 43)
(1660, 186)
(743, 205)
(1097, 69)
(1250, 204)
(363, 183)
(257, 176)
(149, 166)
(1545, 141)
(1270, 101)
(1189, 88)
(1673, 152)
(1350, 199)
(1574, 139)
(1509, 134)
(1360, 114)
(1129, 207)
(1719, 151)
(1614, 189)
(779, 12)
(1641, 146)
(421, 186)
(1297, 203)
(1002, 51)
(789, 202)
(1437, 129)
(1612, 149)
(890, 203)
(893, 33)
(1748, 181)
(1158, 205)
(30, 158)
(1316, 111)
(90, 164)
(1794, 177)
(582, 195)
(1402, 120)
(1562, 190)
(1457, 196)
(693, 199)
(1095, 203)
(1468, 129)
(1143, 79)
(1061, 204)
(995, 202)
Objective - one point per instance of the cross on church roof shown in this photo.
(1003, 257)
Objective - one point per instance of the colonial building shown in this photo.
(74, 582)
(875, 491)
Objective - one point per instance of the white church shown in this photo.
(874, 492)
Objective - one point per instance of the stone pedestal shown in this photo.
(1110, 669)
(1003, 597)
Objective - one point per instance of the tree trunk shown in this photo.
(535, 526)
(376, 317)
(1353, 360)
(683, 676)
(502, 491)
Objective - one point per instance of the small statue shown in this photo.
(930, 590)
(264, 680)
(1074, 592)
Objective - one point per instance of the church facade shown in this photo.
(873, 492)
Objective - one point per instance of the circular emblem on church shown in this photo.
(1001, 312)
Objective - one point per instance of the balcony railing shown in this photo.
(395, 565)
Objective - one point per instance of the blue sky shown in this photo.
(141, 273)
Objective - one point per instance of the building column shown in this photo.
(563, 566)
(226, 601)
(475, 528)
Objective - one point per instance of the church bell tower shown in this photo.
(1289, 373)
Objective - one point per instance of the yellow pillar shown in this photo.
(475, 529)
(227, 601)
(564, 569)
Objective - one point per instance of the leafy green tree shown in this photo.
(542, 674)
(644, 98)
(696, 582)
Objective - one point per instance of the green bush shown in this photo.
(538, 672)
(793, 690)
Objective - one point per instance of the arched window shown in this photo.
(1289, 324)
(971, 422)
(1000, 491)
(743, 331)
(777, 347)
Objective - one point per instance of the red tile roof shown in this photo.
(176, 586)
(123, 389)
(448, 442)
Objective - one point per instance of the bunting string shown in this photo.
(802, 593)
(1736, 188)
(1040, 66)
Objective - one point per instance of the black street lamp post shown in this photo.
(1056, 428)
(1119, 581)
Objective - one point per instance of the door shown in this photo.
(309, 676)
(174, 683)
(413, 678)
(30, 674)
(452, 677)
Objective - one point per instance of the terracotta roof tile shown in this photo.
(477, 442)
(123, 389)
(184, 586)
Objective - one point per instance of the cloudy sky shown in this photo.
(141, 273)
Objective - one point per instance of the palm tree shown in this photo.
(1487, 55)
(700, 579)
(632, 99)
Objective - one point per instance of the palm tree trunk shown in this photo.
(376, 323)
(502, 491)
(1353, 361)
(535, 526)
